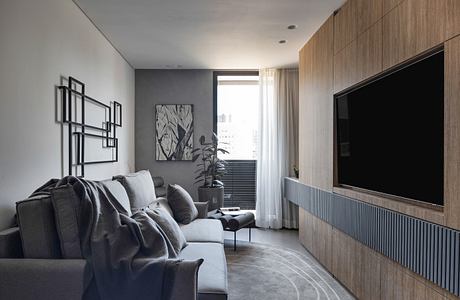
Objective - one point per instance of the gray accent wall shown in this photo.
(40, 41)
(171, 87)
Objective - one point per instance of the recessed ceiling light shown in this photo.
(292, 27)
(282, 42)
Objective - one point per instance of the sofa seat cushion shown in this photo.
(212, 275)
(203, 230)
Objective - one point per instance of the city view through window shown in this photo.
(238, 116)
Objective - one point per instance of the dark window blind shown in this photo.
(240, 184)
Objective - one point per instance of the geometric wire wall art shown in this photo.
(91, 127)
(173, 132)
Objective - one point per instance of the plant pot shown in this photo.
(213, 195)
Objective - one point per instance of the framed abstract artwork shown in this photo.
(173, 132)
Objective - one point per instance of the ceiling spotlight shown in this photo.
(292, 27)
(282, 42)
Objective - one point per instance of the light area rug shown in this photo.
(260, 271)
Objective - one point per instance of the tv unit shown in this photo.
(390, 132)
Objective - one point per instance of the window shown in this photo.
(236, 101)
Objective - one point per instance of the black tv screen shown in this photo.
(390, 133)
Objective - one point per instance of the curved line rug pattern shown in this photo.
(258, 271)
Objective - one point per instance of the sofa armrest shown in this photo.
(202, 208)
(185, 274)
(37, 279)
(10, 243)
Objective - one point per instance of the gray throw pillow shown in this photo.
(140, 189)
(117, 191)
(169, 227)
(182, 204)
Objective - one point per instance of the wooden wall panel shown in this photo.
(366, 273)
(368, 12)
(369, 50)
(305, 63)
(316, 236)
(388, 5)
(316, 108)
(345, 67)
(453, 18)
(452, 133)
(345, 25)
(359, 60)
(364, 38)
(412, 28)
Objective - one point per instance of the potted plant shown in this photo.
(210, 171)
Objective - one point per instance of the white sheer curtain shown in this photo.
(277, 147)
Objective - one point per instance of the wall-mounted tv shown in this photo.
(390, 132)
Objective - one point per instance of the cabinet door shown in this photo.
(412, 28)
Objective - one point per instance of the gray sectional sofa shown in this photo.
(32, 267)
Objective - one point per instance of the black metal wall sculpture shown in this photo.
(74, 105)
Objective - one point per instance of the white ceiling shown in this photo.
(208, 34)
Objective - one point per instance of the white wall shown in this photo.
(40, 41)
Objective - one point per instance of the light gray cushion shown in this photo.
(38, 228)
(169, 227)
(163, 203)
(212, 275)
(66, 211)
(182, 204)
(140, 189)
(116, 189)
(203, 230)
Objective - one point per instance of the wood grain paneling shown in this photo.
(364, 38)
(369, 50)
(316, 236)
(316, 109)
(452, 133)
(369, 273)
(345, 67)
(368, 12)
(389, 5)
(453, 18)
(359, 60)
(345, 25)
(412, 28)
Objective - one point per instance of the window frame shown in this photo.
(215, 83)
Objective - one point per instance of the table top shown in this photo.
(239, 212)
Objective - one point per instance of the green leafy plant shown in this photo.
(210, 167)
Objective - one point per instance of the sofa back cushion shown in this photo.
(140, 189)
(182, 205)
(37, 228)
(116, 189)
